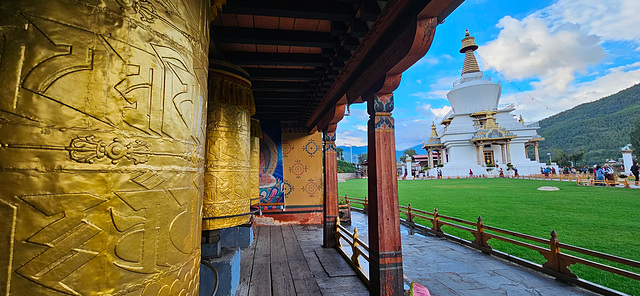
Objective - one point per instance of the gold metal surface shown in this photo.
(256, 135)
(227, 159)
(102, 146)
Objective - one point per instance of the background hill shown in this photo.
(600, 127)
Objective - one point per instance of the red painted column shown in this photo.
(330, 209)
(385, 264)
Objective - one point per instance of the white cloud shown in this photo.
(616, 79)
(351, 137)
(440, 112)
(437, 90)
(528, 48)
(615, 20)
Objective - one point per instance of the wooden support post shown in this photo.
(355, 251)
(330, 209)
(337, 233)
(436, 221)
(385, 248)
(626, 183)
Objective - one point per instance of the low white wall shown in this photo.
(346, 176)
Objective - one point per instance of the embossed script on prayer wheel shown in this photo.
(256, 135)
(227, 159)
(102, 146)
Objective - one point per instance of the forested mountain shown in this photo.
(600, 127)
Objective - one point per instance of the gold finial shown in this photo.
(468, 46)
(434, 134)
(491, 122)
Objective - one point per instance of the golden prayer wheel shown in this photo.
(102, 146)
(256, 135)
(228, 148)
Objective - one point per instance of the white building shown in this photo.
(479, 132)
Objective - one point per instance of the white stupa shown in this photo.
(479, 133)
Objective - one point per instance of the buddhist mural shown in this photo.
(302, 159)
(102, 144)
(271, 175)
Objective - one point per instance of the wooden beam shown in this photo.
(275, 59)
(306, 9)
(281, 95)
(369, 11)
(284, 74)
(401, 35)
(332, 118)
(274, 37)
(280, 102)
(284, 86)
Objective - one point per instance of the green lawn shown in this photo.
(597, 218)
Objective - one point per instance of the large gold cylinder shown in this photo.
(227, 160)
(256, 135)
(102, 146)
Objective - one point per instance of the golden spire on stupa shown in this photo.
(434, 134)
(468, 47)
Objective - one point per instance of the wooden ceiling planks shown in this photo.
(295, 51)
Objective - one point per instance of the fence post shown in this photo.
(366, 205)
(626, 183)
(554, 260)
(481, 240)
(338, 245)
(409, 215)
(436, 220)
(354, 249)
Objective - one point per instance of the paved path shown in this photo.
(451, 269)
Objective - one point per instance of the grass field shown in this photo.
(597, 218)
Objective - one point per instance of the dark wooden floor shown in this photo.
(289, 260)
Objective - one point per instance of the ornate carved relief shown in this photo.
(102, 140)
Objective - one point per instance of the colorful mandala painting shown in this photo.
(311, 188)
(287, 188)
(311, 148)
(298, 169)
(286, 149)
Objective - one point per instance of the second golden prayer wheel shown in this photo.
(256, 135)
(228, 148)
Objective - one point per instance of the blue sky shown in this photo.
(549, 56)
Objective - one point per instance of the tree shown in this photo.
(407, 153)
(563, 158)
(363, 157)
(634, 139)
(340, 153)
(345, 167)
(575, 157)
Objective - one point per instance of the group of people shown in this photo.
(603, 173)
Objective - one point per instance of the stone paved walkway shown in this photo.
(450, 269)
